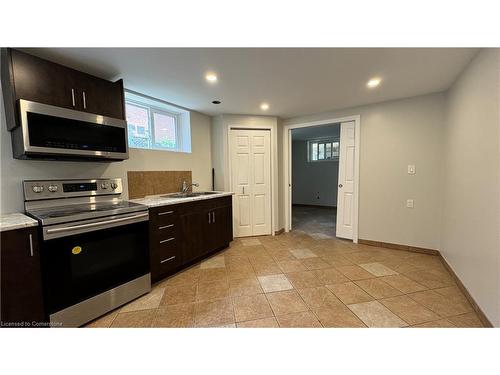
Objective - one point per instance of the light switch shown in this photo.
(411, 169)
(409, 203)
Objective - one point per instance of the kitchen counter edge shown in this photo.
(158, 201)
(15, 221)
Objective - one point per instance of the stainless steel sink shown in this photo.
(188, 195)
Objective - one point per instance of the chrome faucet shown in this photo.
(186, 187)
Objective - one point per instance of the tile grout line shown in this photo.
(315, 245)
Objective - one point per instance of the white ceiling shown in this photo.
(294, 81)
(314, 132)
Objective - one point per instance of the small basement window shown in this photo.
(323, 150)
(156, 125)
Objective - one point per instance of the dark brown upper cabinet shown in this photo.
(28, 77)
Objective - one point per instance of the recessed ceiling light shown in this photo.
(374, 82)
(216, 102)
(211, 77)
(264, 106)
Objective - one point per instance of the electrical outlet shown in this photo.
(409, 203)
(411, 169)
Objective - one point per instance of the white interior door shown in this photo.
(250, 152)
(345, 196)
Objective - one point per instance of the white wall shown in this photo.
(313, 183)
(217, 150)
(471, 181)
(393, 135)
(13, 171)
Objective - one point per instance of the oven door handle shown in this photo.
(103, 224)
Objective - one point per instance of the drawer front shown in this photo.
(165, 216)
(165, 258)
(165, 231)
(168, 252)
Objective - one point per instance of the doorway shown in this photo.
(346, 215)
(315, 171)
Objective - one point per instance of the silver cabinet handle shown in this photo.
(165, 213)
(167, 260)
(84, 101)
(73, 96)
(167, 240)
(243, 190)
(166, 226)
(209, 221)
(31, 244)
(213, 217)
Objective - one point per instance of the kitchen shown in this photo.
(75, 205)
(151, 188)
(98, 246)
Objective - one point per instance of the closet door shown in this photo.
(250, 160)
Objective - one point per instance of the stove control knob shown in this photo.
(37, 189)
(114, 185)
(53, 188)
(104, 185)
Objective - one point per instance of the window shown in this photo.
(156, 125)
(323, 150)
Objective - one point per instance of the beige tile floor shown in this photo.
(294, 280)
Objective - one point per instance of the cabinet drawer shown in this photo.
(164, 231)
(168, 253)
(168, 256)
(165, 216)
(167, 246)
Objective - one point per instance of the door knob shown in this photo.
(340, 185)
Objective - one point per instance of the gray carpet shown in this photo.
(316, 221)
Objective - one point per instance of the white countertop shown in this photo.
(16, 221)
(161, 200)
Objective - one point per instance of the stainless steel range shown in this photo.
(95, 249)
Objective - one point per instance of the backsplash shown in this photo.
(142, 183)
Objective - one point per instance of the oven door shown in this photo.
(83, 259)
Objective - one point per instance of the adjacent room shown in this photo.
(315, 174)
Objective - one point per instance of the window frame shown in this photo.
(322, 141)
(152, 109)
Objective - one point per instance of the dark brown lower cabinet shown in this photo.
(219, 227)
(21, 281)
(184, 233)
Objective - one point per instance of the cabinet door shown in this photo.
(99, 96)
(218, 229)
(46, 82)
(193, 235)
(222, 227)
(209, 230)
(43, 81)
(21, 281)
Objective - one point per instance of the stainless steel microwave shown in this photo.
(50, 132)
